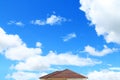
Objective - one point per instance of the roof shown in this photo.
(63, 74)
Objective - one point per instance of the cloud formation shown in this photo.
(52, 20)
(52, 58)
(69, 36)
(13, 48)
(115, 68)
(17, 23)
(104, 75)
(105, 15)
(92, 51)
(23, 76)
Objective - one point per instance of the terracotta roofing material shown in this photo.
(63, 74)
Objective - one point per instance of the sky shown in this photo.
(38, 37)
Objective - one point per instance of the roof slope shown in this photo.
(63, 74)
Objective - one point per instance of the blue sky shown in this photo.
(41, 36)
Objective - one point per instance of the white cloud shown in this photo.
(8, 41)
(19, 23)
(38, 22)
(21, 52)
(23, 76)
(52, 20)
(115, 68)
(104, 75)
(69, 36)
(38, 44)
(14, 48)
(45, 62)
(30, 59)
(105, 15)
(38, 63)
(94, 52)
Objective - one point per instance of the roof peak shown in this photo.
(63, 74)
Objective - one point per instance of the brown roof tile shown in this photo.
(63, 74)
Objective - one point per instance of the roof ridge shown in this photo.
(58, 73)
(50, 74)
(64, 74)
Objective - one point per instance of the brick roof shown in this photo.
(63, 74)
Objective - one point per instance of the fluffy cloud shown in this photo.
(52, 20)
(30, 59)
(115, 68)
(69, 36)
(8, 41)
(104, 75)
(38, 22)
(105, 15)
(38, 44)
(23, 76)
(44, 62)
(94, 52)
(21, 52)
(19, 23)
(14, 48)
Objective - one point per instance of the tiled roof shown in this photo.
(63, 74)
